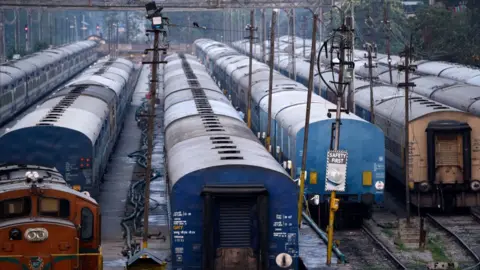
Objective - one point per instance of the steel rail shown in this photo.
(377, 241)
(457, 238)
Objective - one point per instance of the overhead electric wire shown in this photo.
(206, 28)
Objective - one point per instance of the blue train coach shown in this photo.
(229, 197)
(363, 141)
(75, 129)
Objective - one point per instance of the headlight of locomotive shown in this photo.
(36, 234)
(15, 234)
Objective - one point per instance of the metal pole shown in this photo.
(351, 38)
(127, 28)
(75, 32)
(307, 119)
(17, 31)
(189, 38)
(109, 38)
(270, 79)
(406, 147)
(249, 102)
(40, 17)
(305, 33)
(151, 118)
(55, 30)
(264, 35)
(68, 31)
(289, 39)
(117, 43)
(387, 25)
(291, 33)
(50, 25)
(278, 38)
(2, 36)
(224, 26)
(27, 34)
(370, 74)
(407, 68)
(333, 199)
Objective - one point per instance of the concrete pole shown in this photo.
(3, 56)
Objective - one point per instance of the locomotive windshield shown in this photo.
(53, 207)
(18, 207)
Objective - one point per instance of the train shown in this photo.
(75, 129)
(232, 204)
(363, 141)
(443, 169)
(443, 139)
(452, 84)
(24, 81)
(44, 223)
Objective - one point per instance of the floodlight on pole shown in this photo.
(152, 10)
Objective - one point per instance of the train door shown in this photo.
(449, 155)
(449, 152)
(235, 228)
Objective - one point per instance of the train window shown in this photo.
(54, 207)
(17, 207)
(87, 224)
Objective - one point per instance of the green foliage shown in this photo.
(369, 23)
(435, 246)
(437, 33)
(443, 35)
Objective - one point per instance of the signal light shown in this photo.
(26, 28)
(98, 27)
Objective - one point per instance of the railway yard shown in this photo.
(225, 155)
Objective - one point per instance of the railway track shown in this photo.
(363, 250)
(465, 229)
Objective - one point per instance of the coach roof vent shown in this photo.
(225, 147)
(231, 158)
(229, 152)
(56, 112)
(219, 138)
(222, 141)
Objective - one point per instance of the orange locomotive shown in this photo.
(44, 224)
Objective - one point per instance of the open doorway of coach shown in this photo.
(235, 228)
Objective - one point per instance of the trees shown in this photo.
(441, 34)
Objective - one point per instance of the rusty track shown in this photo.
(364, 251)
(390, 255)
(458, 238)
